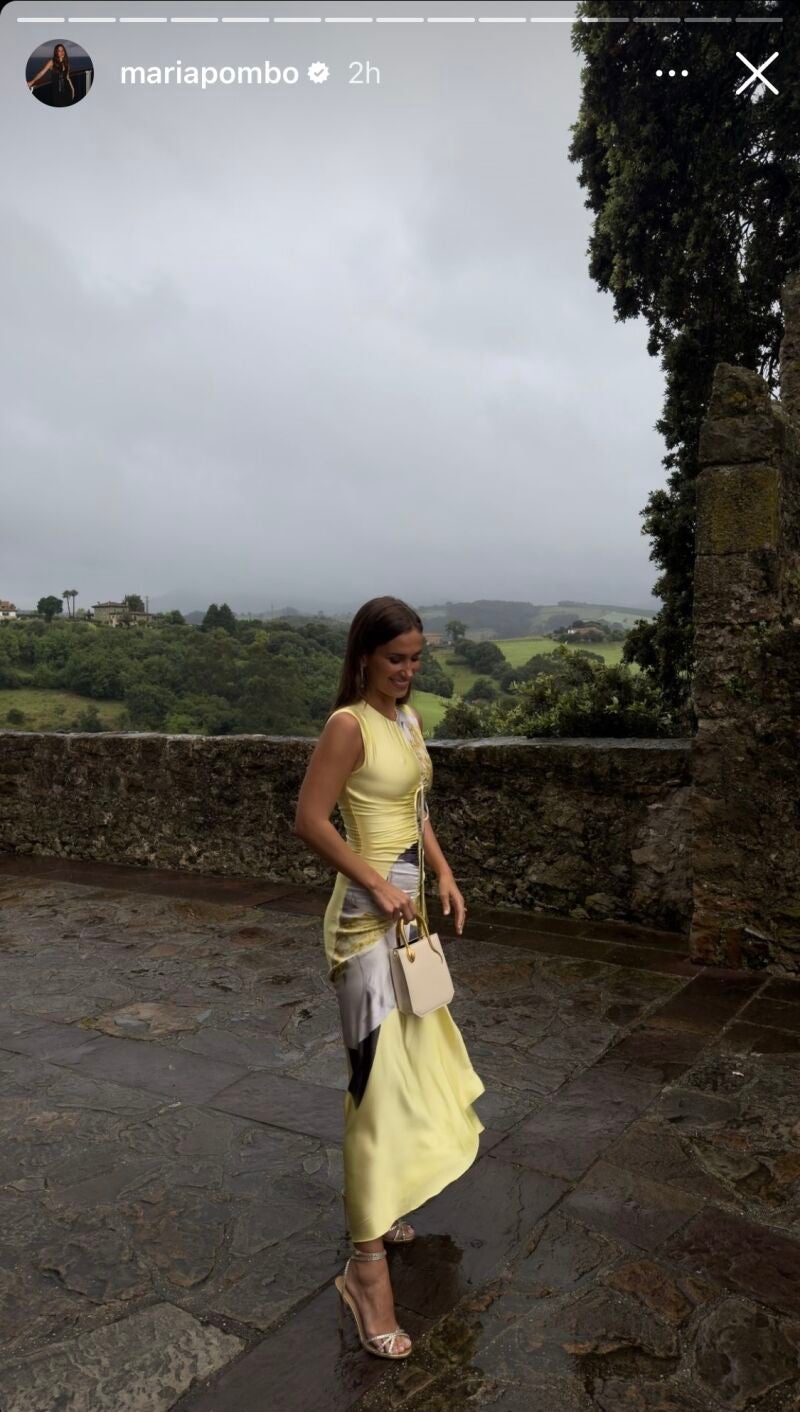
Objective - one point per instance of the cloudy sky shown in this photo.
(310, 343)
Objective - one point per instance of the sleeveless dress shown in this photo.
(61, 93)
(409, 1125)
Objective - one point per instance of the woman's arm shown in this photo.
(43, 70)
(335, 756)
(449, 895)
(434, 856)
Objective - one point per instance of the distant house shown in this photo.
(434, 639)
(7, 610)
(112, 615)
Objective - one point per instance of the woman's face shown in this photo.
(61, 53)
(392, 666)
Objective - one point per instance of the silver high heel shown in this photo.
(382, 1345)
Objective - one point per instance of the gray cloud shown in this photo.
(313, 344)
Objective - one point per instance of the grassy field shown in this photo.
(517, 650)
(54, 710)
(430, 707)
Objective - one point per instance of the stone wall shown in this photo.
(746, 755)
(593, 828)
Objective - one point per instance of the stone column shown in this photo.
(746, 691)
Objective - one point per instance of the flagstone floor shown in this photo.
(171, 1097)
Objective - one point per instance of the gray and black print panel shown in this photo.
(363, 982)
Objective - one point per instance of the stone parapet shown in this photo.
(592, 828)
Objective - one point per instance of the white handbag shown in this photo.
(420, 973)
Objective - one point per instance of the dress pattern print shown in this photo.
(360, 966)
(409, 1124)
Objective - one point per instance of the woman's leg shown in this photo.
(368, 1281)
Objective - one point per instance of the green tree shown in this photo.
(464, 720)
(482, 689)
(588, 700)
(696, 200)
(49, 607)
(88, 719)
(432, 675)
(219, 617)
(133, 602)
(148, 706)
(456, 630)
(484, 657)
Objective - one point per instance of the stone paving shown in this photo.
(172, 1079)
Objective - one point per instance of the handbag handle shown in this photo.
(401, 933)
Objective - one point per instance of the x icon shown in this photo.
(757, 73)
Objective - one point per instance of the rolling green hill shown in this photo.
(497, 618)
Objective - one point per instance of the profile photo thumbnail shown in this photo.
(59, 73)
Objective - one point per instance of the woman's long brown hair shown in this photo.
(376, 622)
(56, 61)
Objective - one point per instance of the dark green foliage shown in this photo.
(49, 607)
(465, 721)
(482, 689)
(148, 706)
(456, 629)
(432, 676)
(88, 720)
(272, 677)
(697, 203)
(484, 657)
(568, 694)
(496, 615)
(219, 617)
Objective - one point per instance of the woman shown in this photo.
(410, 1128)
(62, 89)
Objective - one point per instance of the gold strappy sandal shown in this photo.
(399, 1231)
(382, 1345)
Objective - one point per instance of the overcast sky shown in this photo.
(307, 344)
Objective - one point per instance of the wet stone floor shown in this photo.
(171, 1098)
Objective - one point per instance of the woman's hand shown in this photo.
(449, 896)
(393, 901)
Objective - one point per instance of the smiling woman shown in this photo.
(410, 1128)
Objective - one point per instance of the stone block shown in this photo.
(734, 440)
(738, 509)
(758, 1262)
(737, 588)
(737, 393)
(146, 1360)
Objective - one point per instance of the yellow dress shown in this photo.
(409, 1125)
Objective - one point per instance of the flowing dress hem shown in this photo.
(446, 1175)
